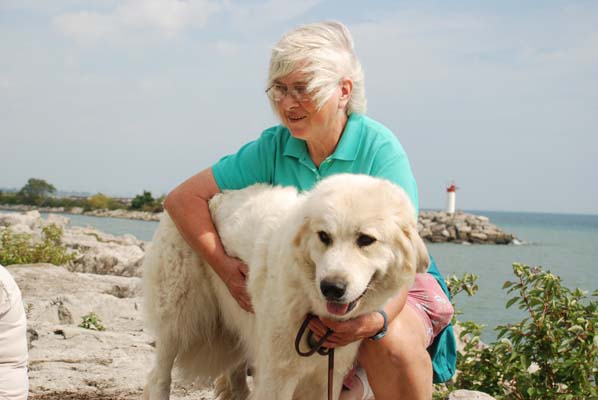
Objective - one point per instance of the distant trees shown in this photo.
(146, 202)
(36, 191)
(98, 201)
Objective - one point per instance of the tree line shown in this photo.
(39, 193)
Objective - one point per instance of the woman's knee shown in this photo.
(403, 346)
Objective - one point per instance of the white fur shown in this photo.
(275, 231)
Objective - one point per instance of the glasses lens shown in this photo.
(300, 93)
(277, 92)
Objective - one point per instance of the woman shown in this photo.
(316, 88)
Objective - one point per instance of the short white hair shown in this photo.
(325, 52)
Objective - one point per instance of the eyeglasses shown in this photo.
(277, 92)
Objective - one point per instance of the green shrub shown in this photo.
(9, 198)
(20, 248)
(146, 202)
(97, 201)
(92, 321)
(36, 191)
(551, 354)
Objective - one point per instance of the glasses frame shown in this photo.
(293, 91)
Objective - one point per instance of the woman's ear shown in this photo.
(346, 87)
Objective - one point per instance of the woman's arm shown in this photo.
(187, 205)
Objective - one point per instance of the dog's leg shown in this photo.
(159, 379)
(274, 385)
(315, 387)
(233, 384)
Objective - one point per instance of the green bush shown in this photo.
(551, 354)
(92, 321)
(97, 201)
(64, 202)
(146, 202)
(36, 191)
(9, 198)
(20, 248)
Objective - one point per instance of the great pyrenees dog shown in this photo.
(338, 251)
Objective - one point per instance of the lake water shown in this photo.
(567, 245)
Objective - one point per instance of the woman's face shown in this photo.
(302, 117)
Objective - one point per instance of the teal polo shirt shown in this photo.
(366, 147)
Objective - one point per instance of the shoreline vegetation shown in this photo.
(85, 323)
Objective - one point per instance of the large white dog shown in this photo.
(340, 250)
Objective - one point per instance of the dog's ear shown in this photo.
(420, 253)
(300, 246)
(415, 255)
(300, 234)
(414, 249)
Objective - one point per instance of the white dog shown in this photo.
(339, 251)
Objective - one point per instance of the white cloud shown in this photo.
(87, 26)
(166, 18)
(268, 12)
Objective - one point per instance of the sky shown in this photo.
(118, 97)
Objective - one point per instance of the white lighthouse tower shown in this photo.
(451, 193)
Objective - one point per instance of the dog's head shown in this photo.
(357, 244)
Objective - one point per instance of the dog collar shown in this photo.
(382, 332)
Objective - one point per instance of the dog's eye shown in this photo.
(325, 238)
(365, 240)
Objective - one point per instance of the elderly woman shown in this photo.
(316, 87)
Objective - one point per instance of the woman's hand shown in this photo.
(234, 275)
(349, 331)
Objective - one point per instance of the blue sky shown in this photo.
(123, 96)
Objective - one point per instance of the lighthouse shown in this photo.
(451, 192)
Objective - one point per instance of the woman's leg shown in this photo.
(398, 366)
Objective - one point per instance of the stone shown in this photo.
(478, 237)
(438, 226)
(469, 395)
(70, 362)
(29, 219)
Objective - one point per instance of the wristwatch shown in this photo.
(382, 331)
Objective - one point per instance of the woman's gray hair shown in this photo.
(324, 51)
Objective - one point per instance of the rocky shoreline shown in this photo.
(433, 226)
(460, 227)
(120, 213)
(67, 361)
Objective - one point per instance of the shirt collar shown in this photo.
(345, 150)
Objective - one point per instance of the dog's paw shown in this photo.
(152, 393)
(224, 389)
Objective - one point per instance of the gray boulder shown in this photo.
(69, 362)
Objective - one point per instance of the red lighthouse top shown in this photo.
(452, 187)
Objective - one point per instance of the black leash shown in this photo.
(324, 351)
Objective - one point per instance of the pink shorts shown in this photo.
(430, 302)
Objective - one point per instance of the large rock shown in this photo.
(469, 395)
(101, 253)
(439, 226)
(96, 252)
(21, 223)
(70, 362)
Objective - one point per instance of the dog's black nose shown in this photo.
(333, 290)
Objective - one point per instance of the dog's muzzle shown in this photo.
(334, 291)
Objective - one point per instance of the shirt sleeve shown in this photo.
(391, 163)
(253, 163)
